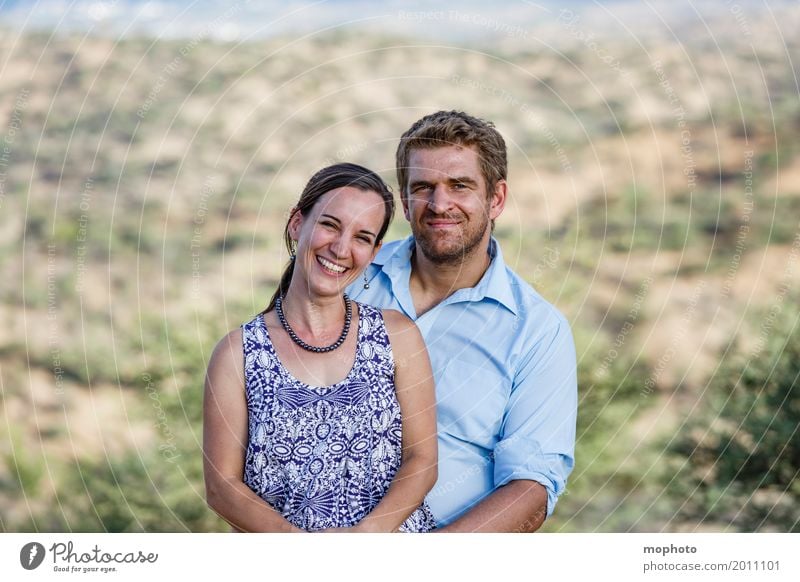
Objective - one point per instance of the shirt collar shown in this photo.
(494, 284)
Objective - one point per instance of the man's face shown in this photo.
(447, 203)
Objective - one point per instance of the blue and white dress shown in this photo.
(325, 456)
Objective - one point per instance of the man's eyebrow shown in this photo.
(454, 180)
(462, 180)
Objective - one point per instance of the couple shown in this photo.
(321, 413)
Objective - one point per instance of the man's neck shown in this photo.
(431, 283)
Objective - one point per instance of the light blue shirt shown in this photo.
(506, 385)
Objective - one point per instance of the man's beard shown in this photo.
(455, 253)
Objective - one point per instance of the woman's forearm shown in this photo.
(411, 483)
(237, 504)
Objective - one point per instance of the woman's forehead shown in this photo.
(350, 201)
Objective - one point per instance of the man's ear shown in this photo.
(404, 202)
(498, 199)
(295, 223)
(375, 251)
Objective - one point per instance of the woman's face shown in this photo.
(336, 240)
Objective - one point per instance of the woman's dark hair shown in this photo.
(327, 179)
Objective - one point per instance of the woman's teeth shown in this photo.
(331, 266)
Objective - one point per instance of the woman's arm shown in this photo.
(225, 441)
(415, 393)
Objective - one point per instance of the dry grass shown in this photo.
(170, 220)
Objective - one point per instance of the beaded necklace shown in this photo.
(348, 314)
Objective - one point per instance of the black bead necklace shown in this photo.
(348, 315)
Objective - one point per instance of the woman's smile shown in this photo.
(331, 267)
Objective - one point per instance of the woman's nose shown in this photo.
(340, 246)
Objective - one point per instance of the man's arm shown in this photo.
(535, 453)
(517, 507)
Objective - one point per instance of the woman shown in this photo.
(309, 435)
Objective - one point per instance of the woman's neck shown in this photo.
(314, 315)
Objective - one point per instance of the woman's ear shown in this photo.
(295, 223)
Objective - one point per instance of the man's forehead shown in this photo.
(442, 158)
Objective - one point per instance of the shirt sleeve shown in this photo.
(538, 432)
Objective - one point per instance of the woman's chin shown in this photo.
(330, 288)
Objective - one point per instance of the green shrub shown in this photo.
(736, 465)
(135, 493)
(610, 379)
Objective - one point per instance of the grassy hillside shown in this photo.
(655, 199)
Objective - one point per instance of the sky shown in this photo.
(467, 20)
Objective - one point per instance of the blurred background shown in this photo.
(150, 151)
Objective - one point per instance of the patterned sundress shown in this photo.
(325, 456)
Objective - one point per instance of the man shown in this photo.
(503, 358)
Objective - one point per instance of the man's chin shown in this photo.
(443, 255)
(446, 249)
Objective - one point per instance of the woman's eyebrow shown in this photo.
(332, 217)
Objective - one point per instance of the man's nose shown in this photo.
(439, 200)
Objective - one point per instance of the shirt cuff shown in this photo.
(549, 470)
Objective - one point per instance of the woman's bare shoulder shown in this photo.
(403, 333)
(228, 353)
(396, 322)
